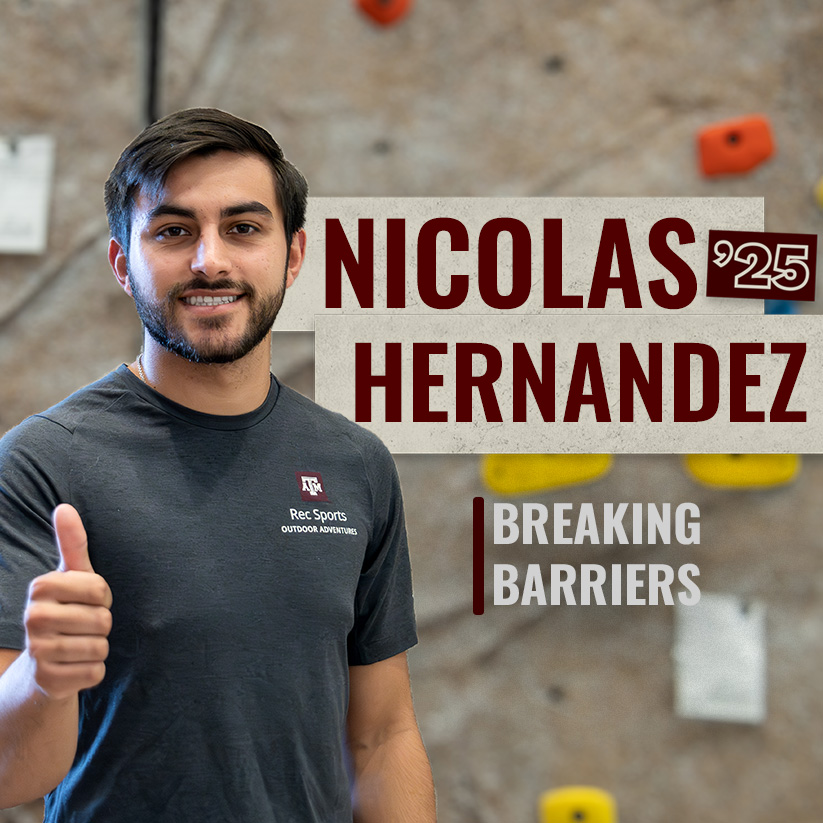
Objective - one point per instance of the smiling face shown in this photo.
(209, 263)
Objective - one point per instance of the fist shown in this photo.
(67, 617)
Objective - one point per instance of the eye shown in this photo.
(244, 228)
(172, 231)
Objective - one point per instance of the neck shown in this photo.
(213, 388)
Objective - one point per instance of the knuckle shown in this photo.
(101, 590)
(102, 649)
(35, 648)
(45, 675)
(36, 618)
(59, 680)
(104, 622)
(40, 587)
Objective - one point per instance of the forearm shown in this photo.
(38, 735)
(393, 780)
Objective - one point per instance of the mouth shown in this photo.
(210, 300)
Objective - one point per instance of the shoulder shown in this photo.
(70, 411)
(52, 429)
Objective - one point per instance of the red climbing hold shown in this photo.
(735, 146)
(385, 12)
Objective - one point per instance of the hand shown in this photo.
(67, 617)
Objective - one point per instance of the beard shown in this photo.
(159, 320)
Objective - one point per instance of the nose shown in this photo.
(211, 256)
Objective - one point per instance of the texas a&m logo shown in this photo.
(311, 487)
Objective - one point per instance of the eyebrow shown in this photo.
(170, 210)
(252, 207)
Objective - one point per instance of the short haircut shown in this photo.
(147, 160)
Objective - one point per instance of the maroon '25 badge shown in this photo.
(761, 265)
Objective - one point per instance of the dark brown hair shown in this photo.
(146, 161)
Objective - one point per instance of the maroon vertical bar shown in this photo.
(478, 555)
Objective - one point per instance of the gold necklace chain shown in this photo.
(140, 373)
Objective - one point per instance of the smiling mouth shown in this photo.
(201, 300)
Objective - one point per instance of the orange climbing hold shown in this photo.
(385, 12)
(735, 146)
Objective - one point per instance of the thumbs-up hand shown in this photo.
(67, 617)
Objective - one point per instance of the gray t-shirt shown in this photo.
(251, 559)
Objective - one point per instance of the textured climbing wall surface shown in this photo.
(477, 97)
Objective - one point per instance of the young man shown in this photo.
(205, 595)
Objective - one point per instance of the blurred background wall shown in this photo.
(476, 98)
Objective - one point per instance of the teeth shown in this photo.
(209, 301)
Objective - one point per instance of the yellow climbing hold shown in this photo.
(524, 473)
(743, 471)
(577, 804)
(818, 193)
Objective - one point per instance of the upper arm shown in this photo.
(384, 623)
(33, 479)
(380, 701)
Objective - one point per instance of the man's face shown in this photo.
(209, 263)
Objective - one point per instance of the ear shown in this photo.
(118, 263)
(297, 253)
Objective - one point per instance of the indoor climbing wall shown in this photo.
(464, 98)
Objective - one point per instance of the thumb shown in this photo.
(72, 542)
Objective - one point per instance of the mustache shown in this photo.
(200, 284)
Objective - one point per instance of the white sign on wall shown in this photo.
(26, 166)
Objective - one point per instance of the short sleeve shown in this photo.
(33, 480)
(384, 623)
